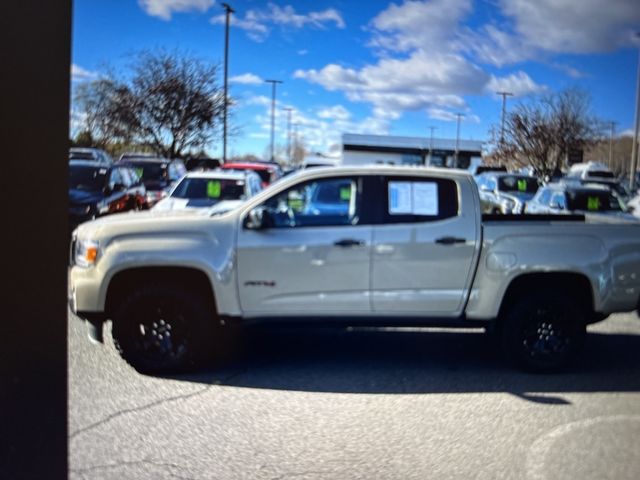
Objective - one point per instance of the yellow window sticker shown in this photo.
(213, 189)
(345, 193)
(522, 185)
(593, 203)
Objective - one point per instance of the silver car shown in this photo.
(505, 193)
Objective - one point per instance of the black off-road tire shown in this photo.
(164, 329)
(544, 332)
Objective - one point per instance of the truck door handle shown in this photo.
(348, 242)
(450, 240)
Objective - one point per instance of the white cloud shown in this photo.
(520, 84)
(256, 22)
(626, 133)
(79, 74)
(303, 52)
(258, 100)
(337, 112)
(247, 79)
(165, 8)
(570, 26)
(419, 25)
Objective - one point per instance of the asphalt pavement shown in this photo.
(359, 404)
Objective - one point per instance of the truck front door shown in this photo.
(313, 255)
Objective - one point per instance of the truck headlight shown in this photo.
(86, 253)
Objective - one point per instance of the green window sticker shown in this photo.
(593, 203)
(139, 172)
(345, 193)
(522, 185)
(213, 189)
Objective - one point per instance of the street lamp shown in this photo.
(273, 115)
(458, 139)
(289, 110)
(229, 11)
(504, 107)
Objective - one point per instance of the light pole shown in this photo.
(273, 115)
(289, 110)
(634, 150)
(431, 143)
(504, 109)
(458, 139)
(612, 124)
(229, 11)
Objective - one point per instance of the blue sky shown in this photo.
(377, 67)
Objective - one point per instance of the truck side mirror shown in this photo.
(258, 218)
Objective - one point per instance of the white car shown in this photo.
(217, 190)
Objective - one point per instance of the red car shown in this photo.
(268, 172)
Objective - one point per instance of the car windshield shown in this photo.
(214, 189)
(87, 178)
(594, 201)
(81, 156)
(149, 170)
(518, 184)
(600, 174)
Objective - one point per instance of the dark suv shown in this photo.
(96, 190)
(157, 174)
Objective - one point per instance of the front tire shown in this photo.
(544, 332)
(164, 329)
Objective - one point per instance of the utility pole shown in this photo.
(634, 150)
(289, 110)
(229, 11)
(431, 143)
(504, 109)
(612, 124)
(273, 115)
(458, 139)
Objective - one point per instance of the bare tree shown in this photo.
(171, 103)
(541, 133)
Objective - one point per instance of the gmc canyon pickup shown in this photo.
(380, 245)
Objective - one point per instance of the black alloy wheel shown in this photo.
(544, 332)
(163, 329)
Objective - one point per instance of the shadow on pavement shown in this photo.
(383, 362)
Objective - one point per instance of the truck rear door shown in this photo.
(426, 247)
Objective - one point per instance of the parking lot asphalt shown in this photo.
(359, 404)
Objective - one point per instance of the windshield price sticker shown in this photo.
(593, 203)
(413, 198)
(522, 185)
(345, 193)
(213, 189)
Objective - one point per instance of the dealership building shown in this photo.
(392, 150)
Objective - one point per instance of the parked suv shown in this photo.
(566, 198)
(157, 174)
(505, 193)
(93, 154)
(96, 190)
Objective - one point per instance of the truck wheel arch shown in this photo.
(570, 283)
(126, 281)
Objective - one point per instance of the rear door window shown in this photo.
(410, 200)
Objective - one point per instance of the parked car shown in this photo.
(414, 250)
(202, 190)
(613, 183)
(93, 154)
(590, 171)
(569, 197)
(505, 193)
(158, 175)
(96, 190)
(268, 172)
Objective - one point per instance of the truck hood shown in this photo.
(148, 222)
(213, 206)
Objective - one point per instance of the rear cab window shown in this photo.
(411, 199)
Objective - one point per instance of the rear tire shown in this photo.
(164, 329)
(544, 332)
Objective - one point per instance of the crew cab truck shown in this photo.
(403, 246)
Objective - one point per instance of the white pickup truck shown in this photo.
(400, 246)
